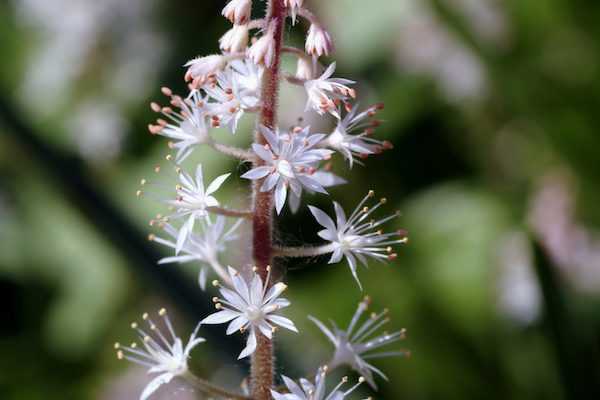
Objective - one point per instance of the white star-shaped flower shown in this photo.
(356, 237)
(234, 91)
(192, 200)
(325, 93)
(162, 354)
(203, 247)
(186, 126)
(356, 344)
(353, 145)
(250, 307)
(306, 390)
(290, 160)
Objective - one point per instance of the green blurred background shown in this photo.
(492, 106)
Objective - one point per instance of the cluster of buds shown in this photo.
(286, 163)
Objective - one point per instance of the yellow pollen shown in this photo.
(162, 312)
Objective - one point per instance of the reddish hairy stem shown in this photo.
(262, 241)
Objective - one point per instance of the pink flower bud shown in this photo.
(238, 11)
(200, 68)
(318, 41)
(235, 39)
(263, 51)
(293, 6)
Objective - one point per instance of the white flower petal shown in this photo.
(324, 329)
(216, 184)
(155, 384)
(220, 317)
(257, 173)
(280, 195)
(323, 219)
(236, 324)
(283, 322)
(250, 346)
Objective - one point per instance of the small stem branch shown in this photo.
(231, 213)
(240, 154)
(212, 389)
(309, 16)
(297, 252)
(256, 24)
(297, 52)
(294, 80)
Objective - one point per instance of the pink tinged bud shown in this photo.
(200, 68)
(235, 40)
(238, 11)
(318, 41)
(263, 50)
(305, 70)
(293, 6)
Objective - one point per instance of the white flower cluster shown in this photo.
(286, 164)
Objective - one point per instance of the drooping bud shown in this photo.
(200, 68)
(263, 51)
(318, 41)
(293, 6)
(235, 39)
(238, 11)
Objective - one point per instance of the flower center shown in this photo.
(285, 168)
(350, 241)
(254, 313)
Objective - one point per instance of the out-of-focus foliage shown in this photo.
(489, 104)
